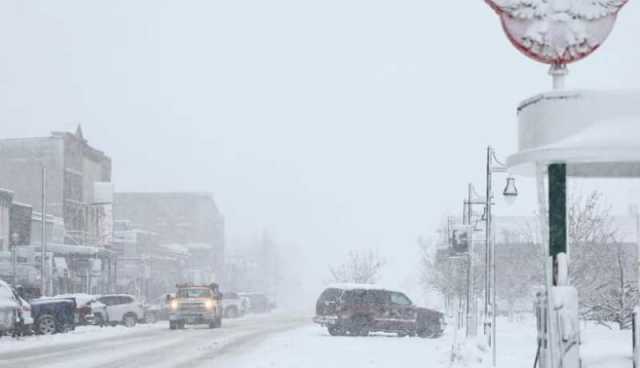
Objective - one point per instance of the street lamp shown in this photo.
(15, 237)
(510, 192)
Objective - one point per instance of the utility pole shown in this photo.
(470, 296)
(487, 243)
(43, 241)
(635, 211)
(14, 256)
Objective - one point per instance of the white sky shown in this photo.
(335, 124)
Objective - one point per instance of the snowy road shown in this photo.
(283, 340)
(143, 346)
(312, 347)
(274, 341)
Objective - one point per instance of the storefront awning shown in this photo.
(70, 249)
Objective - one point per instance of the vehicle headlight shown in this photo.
(209, 304)
(173, 304)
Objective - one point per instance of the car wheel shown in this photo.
(129, 320)
(46, 325)
(150, 318)
(172, 325)
(181, 325)
(336, 331)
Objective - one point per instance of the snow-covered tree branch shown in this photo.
(361, 267)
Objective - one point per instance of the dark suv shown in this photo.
(357, 310)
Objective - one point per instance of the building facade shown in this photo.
(6, 199)
(189, 220)
(73, 168)
(78, 210)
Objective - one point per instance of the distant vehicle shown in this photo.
(119, 309)
(258, 302)
(9, 307)
(157, 309)
(53, 315)
(195, 305)
(356, 310)
(234, 305)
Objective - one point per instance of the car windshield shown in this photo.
(194, 293)
(330, 295)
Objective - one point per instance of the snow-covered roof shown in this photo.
(66, 249)
(198, 246)
(177, 248)
(597, 134)
(354, 286)
(81, 298)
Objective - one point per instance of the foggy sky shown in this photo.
(334, 124)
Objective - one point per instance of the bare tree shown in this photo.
(519, 263)
(447, 274)
(361, 267)
(601, 267)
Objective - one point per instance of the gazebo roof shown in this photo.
(597, 134)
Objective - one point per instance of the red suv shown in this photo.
(356, 310)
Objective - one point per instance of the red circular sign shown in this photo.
(557, 31)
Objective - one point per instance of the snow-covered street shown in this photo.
(277, 340)
(283, 340)
(143, 346)
(312, 347)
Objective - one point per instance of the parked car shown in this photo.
(119, 309)
(258, 302)
(233, 305)
(84, 313)
(9, 307)
(53, 315)
(357, 310)
(157, 309)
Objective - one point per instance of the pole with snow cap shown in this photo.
(556, 33)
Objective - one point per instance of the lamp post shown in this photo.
(467, 219)
(15, 237)
(510, 192)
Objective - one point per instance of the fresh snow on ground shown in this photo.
(80, 334)
(516, 346)
(281, 340)
(312, 347)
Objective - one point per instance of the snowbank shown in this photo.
(471, 353)
(80, 334)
